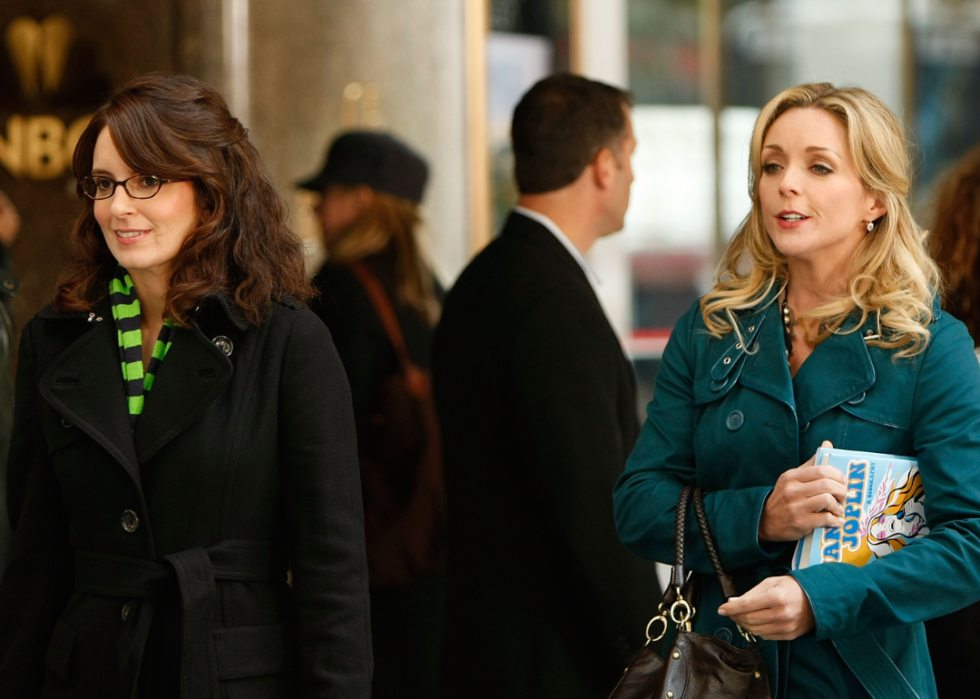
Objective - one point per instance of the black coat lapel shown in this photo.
(520, 226)
(190, 377)
(84, 383)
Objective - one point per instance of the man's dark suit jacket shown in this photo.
(538, 410)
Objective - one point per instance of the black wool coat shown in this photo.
(362, 342)
(154, 563)
(538, 409)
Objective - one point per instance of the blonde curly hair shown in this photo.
(890, 274)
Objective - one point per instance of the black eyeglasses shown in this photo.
(137, 186)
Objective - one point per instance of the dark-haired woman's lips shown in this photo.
(127, 236)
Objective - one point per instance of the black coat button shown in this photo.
(224, 344)
(130, 522)
(723, 634)
(735, 420)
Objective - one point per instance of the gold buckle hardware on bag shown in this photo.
(662, 619)
(681, 612)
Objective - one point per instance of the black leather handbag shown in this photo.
(696, 666)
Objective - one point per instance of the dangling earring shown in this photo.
(871, 226)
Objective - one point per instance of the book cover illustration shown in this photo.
(883, 512)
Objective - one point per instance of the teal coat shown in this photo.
(733, 421)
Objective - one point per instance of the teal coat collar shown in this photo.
(839, 370)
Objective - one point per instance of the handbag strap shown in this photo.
(386, 313)
(727, 585)
(681, 596)
(679, 576)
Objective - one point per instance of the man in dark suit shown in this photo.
(538, 409)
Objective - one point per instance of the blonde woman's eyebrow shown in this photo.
(809, 149)
(812, 149)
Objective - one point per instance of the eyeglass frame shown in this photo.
(116, 183)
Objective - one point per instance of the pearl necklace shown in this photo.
(789, 320)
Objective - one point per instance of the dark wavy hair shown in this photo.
(175, 126)
(955, 240)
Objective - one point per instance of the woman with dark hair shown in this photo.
(955, 240)
(954, 640)
(158, 516)
(379, 300)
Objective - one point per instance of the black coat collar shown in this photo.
(219, 303)
(520, 226)
(85, 386)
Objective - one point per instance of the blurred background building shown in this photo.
(445, 75)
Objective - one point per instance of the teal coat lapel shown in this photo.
(838, 370)
(766, 370)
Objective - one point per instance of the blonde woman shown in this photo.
(822, 329)
(371, 186)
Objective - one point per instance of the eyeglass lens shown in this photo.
(138, 186)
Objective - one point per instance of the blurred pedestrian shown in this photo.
(538, 408)
(381, 301)
(9, 228)
(954, 640)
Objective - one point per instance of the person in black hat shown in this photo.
(371, 186)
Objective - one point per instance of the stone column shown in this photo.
(302, 55)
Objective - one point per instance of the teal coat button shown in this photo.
(735, 420)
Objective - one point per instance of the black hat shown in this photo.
(379, 160)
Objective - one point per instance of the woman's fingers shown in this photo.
(756, 619)
(823, 502)
(803, 499)
(775, 607)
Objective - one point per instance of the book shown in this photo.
(883, 512)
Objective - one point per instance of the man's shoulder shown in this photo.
(512, 263)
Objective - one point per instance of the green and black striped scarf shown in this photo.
(126, 313)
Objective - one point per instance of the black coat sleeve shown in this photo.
(39, 575)
(324, 517)
(361, 342)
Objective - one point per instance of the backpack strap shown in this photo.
(386, 313)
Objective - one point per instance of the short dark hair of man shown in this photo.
(558, 127)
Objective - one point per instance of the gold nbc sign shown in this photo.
(39, 147)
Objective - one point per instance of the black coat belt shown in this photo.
(207, 654)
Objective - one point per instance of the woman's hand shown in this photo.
(804, 498)
(776, 609)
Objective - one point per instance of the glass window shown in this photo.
(946, 85)
(529, 40)
(922, 57)
(663, 51)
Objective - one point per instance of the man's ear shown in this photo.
(603, 168)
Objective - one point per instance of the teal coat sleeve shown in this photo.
(941, 572)
(663, 461)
